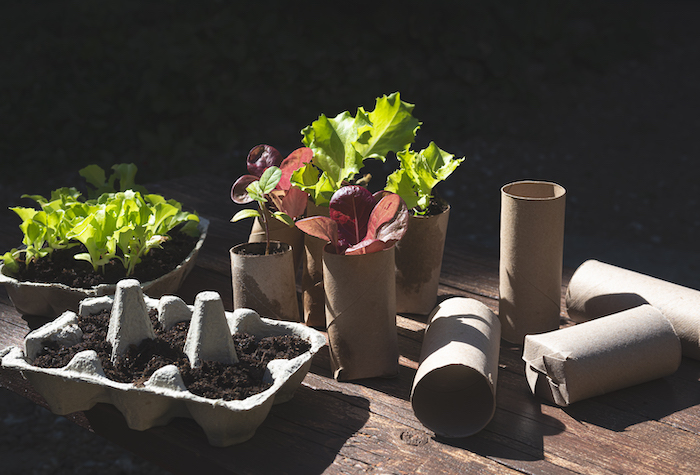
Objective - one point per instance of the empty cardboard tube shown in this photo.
(531, 255)
(596, 357)
(597, 289)
(454, 390)
(419, 261)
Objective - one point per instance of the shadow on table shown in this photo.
(303, 435)
(664, 398)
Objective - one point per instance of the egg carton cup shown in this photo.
(50, 299)
(82, 383)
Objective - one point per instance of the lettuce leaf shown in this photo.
(419, 173)
(341, 144)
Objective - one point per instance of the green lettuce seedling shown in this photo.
(121, 225)
(341, 144)
(418, 174)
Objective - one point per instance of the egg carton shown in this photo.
(82, 383)
(50, 299)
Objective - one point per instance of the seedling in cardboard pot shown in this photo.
(359, 222)
(419, 173)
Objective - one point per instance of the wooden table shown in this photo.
(332, 427)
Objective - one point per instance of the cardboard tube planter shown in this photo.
(597, 289)
(419, 261)
(454, 390)
(265, 283)
(312, 295)
(600, 356)
(532, 247)
(282, 233)
(361, 314)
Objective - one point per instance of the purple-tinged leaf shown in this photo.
(351, 207)
(321, 227)
(367, 246)
(389, 219)
(292, 163)
(292, 202)
(262, 157)
(239, 194)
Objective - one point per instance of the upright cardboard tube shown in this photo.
(361, 314)
(279, 231)
(265, 283)
(454, 390)
(312, 295)
(532, 248)
(419, 261)
(600, 356)
(597, 289)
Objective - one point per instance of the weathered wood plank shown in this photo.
(335, 427)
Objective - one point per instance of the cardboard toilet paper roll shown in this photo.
(600, 356)
(597, 289)
(361, 314)
(419, 261)
(454, 390)
(531, 255)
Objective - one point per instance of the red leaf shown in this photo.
(292, 202)
(389, 219)
(292, 163)
(239, 194)
(262, 157)
(350, 207)
(367, 246)
(321, 227)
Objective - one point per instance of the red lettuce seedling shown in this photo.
(359, 222)
(286, 198)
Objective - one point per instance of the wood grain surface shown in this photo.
(332, 427)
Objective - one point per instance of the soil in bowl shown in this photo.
(62, 268)
(212, 379)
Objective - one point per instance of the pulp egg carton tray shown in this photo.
(82, 383)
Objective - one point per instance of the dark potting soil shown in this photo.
(212, 379)
(62, 268)
(258, 248)
(437, 205)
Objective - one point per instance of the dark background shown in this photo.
(601, 97)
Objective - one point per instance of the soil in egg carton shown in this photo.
(212, 379)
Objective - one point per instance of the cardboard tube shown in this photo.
(282, 233)
(264, 283)
(532, 247)
(361, 314)
(597, 289)
(454, 390)
(312, 296)
(600, 356)
(419, 261)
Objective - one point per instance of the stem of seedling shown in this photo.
(266, 224)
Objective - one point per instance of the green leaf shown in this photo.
(255, 191)
(419, 173)
(94, 175)
(10, 261)
(284, 217)
(269, 179)
(393, 128)
(245, 213)
(332, 143)
(400, 182)
(126, 174)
